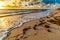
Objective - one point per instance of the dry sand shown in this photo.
(47, 28)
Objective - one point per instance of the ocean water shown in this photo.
(51, 1)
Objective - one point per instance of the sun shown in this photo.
(1, 3)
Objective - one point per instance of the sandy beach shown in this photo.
(47, 28)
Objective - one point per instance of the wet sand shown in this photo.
(47, 28)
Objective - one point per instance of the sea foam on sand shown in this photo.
(26, 18)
